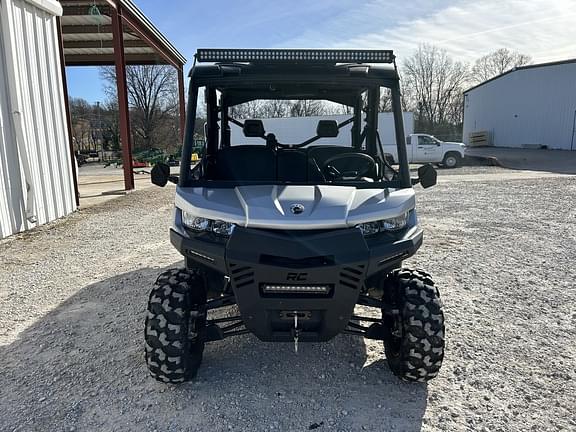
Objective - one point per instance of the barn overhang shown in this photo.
(116, 33)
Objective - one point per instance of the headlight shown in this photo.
(194, 222)
(201, 224)
(222, 228)
(392, 224)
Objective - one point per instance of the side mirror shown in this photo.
(427, 176)
(160, 175)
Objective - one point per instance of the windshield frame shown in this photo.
(368, 83)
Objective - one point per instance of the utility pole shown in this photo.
(99, 133)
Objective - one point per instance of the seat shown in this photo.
(292, 165)
(245, 163)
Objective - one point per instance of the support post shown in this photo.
(400, 138)
(67, 109)
(357, 125)
(123, 109)
(182, 102)
(372, 119)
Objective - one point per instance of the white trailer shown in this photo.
(294, 130)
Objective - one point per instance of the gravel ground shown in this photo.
(501, 247)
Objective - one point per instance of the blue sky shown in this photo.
(544, 29)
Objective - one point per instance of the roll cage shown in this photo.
(228, 84)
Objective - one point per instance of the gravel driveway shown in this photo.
(501, 247)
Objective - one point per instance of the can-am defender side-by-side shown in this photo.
(296, 234)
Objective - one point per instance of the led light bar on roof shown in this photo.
(290, 55)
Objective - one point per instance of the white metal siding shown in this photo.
(534, 106)
(36, 184)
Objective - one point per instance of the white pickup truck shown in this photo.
(422, 148)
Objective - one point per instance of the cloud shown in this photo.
(466, 29)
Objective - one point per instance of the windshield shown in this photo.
(296, 137)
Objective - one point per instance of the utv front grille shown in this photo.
(352, 276)
(297, 263)
(241, 275)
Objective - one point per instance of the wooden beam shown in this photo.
(104, 44)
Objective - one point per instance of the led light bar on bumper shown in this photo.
(289, 55)
(295, 289)
(201, 224)
(392, 224)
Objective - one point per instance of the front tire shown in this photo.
(452, 160)
(175, 326)
(413, 324)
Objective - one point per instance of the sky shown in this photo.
(467, 29)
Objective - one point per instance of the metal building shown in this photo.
(530, 106)
(37, 39)
(36, 180)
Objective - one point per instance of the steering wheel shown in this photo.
(366, 164)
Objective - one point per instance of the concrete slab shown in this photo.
(98, 184)
(557, 161)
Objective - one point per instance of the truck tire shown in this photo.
(414, 331)
(452, 160)
(175, 326)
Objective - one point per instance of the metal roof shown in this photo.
(88, 36)
(518, 68)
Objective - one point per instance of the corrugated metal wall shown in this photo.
(534, 106)
(36, 184)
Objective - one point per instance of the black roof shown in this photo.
(290, 70)
(533, 66)
(341, 83)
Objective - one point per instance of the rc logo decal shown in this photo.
(297, 277)
(297, 209)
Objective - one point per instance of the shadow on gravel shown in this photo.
(81, 367)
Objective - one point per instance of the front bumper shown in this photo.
(340, 259)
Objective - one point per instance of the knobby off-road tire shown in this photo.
(175, 326)
(414, 341)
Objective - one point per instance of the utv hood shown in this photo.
(295, 207)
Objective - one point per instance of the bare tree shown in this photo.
(152, 95)
(275, 108)
(498, 62)
(333, 108)
(111, 125)
(82, 115)
(433, 84)
(305, 107)
(385, 104)
(247, 110)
